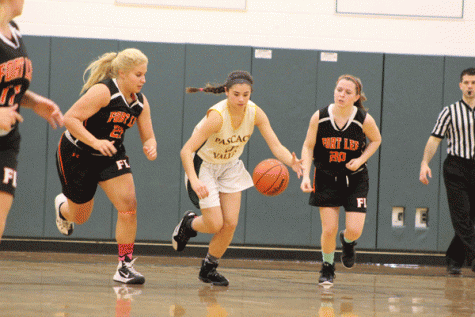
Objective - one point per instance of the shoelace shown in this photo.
(182, 235)
(130, 267)
(215, 273)
(327, 271)
(327, 275)
(65, 224)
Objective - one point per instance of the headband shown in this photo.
(353, 79)
(235, 81)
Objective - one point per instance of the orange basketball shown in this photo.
(270, 177)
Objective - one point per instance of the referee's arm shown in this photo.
(429, 151)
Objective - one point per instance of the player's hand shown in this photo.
(106, 147)
(200, 189)
(425, 172)
(8, 117)
(296, 165)
(150, 152)
(354, 164)
(150, 149)
(306, 185)
(50, 111)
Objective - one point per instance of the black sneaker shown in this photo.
(182, 234)
(327, 274)
(347, 252)
(453, 267)
(127, 274)
(208, 274)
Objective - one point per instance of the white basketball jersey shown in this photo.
(228, 144)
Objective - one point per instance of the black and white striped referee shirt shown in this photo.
(457, 123)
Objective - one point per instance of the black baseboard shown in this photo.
(234, 252)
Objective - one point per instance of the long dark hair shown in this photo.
(236, 77)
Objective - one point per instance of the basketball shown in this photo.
(270, 177)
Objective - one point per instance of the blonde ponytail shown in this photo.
(98, 70)
(109, 64)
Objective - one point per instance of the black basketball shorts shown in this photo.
(80, 172)
(8, 174)
(349, 191)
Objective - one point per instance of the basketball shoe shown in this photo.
(327, 274)
(126, 292)
(347, 252)
(127, 274)
(208, 274)
(183, 231)
(64, 226)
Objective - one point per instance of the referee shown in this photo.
(457, 123)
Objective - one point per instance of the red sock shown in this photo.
(126, 250)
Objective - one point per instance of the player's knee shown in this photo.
(128, 203)
(353, 232)
(215, 226)
(329, 231)
(229, 226)
(128, 215)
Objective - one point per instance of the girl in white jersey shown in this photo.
(215, 174)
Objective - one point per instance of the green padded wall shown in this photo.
(412, 98)
(69, 59)
(26, 216)
(405, 94)
(284, 88)
(157, 183)
(453, 68)
(369, 68)
(208, 64)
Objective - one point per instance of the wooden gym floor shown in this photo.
(65, 284)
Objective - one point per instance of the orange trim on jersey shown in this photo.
(314, 181)
(60, 159)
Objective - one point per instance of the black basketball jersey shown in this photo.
(335, 147)
(15, 76)
(111, 121)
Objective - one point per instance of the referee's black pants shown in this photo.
(459, 178)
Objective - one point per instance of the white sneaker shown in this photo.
(64, 226)
(126, 292)
(127, 274)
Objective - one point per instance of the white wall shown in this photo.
(299, 24)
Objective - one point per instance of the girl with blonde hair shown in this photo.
(91, 152)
